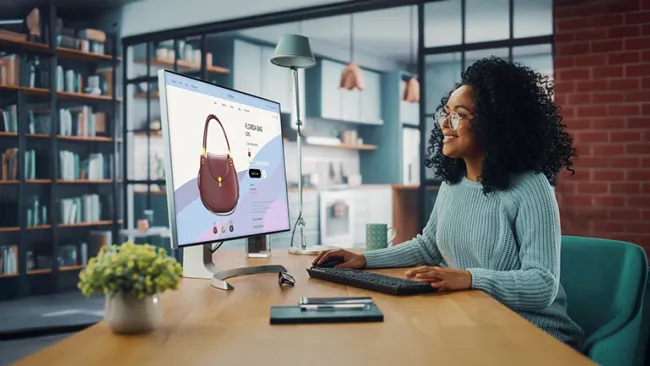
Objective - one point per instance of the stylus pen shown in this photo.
(335, 307)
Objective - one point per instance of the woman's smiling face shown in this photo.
(459, 142)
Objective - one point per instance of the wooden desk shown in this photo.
(206, 326)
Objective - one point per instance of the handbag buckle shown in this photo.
(219, 179)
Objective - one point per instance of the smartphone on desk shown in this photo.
(335, 300)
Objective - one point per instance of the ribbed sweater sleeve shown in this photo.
(421, 250)
(535, 285)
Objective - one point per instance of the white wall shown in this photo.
(155, 15)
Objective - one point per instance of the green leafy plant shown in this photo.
(130, 269)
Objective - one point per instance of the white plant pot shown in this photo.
(126, 314)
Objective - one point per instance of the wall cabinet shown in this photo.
(326, 100)
(247, 73)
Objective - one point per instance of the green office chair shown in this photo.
(605, 282)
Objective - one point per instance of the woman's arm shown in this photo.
(535, 285)
(421, 250)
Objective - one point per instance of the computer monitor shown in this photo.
(225, 166)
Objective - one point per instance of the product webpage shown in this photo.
(227, 160)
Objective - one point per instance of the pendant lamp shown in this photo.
(352, 76)
(412, 88)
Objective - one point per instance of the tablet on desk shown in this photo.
(300, 315)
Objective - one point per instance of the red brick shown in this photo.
(625, 188)
(637, 228)
(645, 56)
(638, 174)
(639, 43)
(590, 60)
(607, 72)
(638, 122)
(609, 201)
(624, 31)
(592, 188)
(583, 98)
(637, 17)
(570, 49)
(623, 57)
(607, 123)
(591, 136)
(607, 46)
(605, 20)
(645, 109)
(563, 37)
(564, 62)
(565, 87)
(623, 214)
(598, 98)
(645, 162)
(646, 30)
(637, 96)
(646, 136)
(570, 24)
(640, 148)
(578, 124)
(638, 201)
(590, 162)
(607, 175)
(574, 74)
(646, 215)
(624, 162)
(623, 110)
(624, 136)
(608, 150)
(577, 201)
(592, 111)
(590, 213)
(567, 112)
(591, 85)
(637, 70)
(610, 227)
(645, 83)
(591, 34)
(582, 150)
(580, 175)
(623, 84)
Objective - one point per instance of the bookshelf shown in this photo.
(60, 144)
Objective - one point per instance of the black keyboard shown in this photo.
(370, 281)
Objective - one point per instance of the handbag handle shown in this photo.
(205, 134)
(204, 152)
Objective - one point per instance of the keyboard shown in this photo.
(370, 281)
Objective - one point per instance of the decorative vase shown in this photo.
(128, 314)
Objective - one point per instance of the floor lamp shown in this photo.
(293, 52)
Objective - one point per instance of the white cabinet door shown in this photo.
(351, 105)
(247, 73)
(331, 102)
(276, 84)
(410, 113)
(411, 156)
(371, 98)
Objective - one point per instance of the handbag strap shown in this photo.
(205, 134)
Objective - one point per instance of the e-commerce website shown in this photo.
(227, 160)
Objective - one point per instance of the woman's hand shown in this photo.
(351, 260)
(442, 278)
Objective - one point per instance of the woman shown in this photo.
(495, 226)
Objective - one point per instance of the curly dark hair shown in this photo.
(515, 122)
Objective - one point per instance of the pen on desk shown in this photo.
(335, 307)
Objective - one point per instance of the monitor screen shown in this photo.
(226, 176)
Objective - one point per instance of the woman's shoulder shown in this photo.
(529, 186)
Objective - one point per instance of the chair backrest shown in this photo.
(604, 281)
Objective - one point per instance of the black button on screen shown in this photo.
(254, 173)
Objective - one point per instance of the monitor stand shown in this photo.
(219, 277)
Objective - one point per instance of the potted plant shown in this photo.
(131, 277)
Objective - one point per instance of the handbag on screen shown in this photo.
(217, 179)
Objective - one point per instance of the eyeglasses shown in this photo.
(286, 279)
(454, 119)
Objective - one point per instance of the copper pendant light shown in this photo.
(412, 88)
(352, 76)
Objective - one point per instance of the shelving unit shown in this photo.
(51, 207)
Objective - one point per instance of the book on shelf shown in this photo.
(39, 120)
(37, 164)
(8, 260)
(74, 82)
(96, 166)
(36, 213)
(9, 119)
(87, 208)
(37, 71)
(81, 121)
(9, 70)
(10, 164)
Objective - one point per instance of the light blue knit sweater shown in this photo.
(508, 240)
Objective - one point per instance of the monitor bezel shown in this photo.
(169, 175)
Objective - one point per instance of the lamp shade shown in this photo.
(293, 51)
(412, 91)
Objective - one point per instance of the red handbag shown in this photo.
(217, 179)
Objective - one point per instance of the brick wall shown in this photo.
(602, 74)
